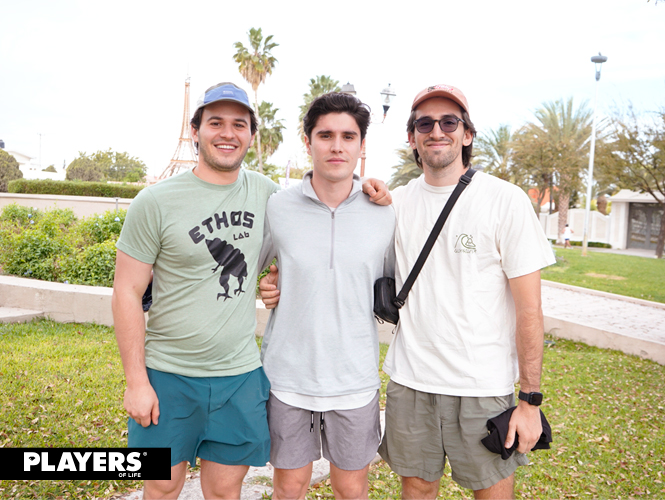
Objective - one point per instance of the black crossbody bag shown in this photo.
(386, 302)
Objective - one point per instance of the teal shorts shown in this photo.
(220, 419)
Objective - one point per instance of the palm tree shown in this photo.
(270, 129)
(493, 154)
(405, 170)
(255, 66)
(562, 133)
(318, 86)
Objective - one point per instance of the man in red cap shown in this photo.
(472, 323)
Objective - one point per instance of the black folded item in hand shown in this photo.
(497, 429)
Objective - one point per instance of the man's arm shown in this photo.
(377, 191)
(131, 279)
(529, 337)
(268, 288)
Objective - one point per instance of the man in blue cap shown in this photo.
(194, 379)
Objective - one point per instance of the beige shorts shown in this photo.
(422, 429)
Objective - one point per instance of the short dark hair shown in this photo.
(336, 102)
(466, 150)
(198, 115)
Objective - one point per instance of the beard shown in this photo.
(221, 166)
(439, 160)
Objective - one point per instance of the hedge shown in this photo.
(73, 188)
(590, 244)
(54, 245)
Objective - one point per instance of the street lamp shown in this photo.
(597, 61)
(387, 94)
(348, 88)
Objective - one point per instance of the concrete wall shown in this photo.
(600, 226)
(83, 206)
(619, 214)
(58, 301)
(92, 304)
(604, 339)
(88, 304)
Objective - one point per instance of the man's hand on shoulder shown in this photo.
(378, 191)
(268, 288)
(525, 420)
(142, 404)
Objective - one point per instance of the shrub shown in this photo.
(591, 244)
(99, 228)
(32, 253)
(19, 215)
(55, 246)
(94, 265)
(54, 222)
(73, 188)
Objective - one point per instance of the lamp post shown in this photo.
(597, 61)
(387, 94)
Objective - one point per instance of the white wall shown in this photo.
(599, 225)
(83, 206)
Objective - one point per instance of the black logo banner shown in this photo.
(85, 463)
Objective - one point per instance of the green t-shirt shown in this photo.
(203, 241)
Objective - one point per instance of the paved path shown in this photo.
(596, 318)
(635, 318)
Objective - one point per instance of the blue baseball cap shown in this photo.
(225, 91)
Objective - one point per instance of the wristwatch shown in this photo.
(533, 398)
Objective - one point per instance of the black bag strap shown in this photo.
(424, 253)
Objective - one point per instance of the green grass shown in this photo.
(607, 412)
(639, 277)
(62, 386)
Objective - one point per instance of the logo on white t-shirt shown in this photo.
(465, 244)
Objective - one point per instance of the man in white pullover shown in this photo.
(320, 349)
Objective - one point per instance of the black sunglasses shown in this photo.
(447, 124)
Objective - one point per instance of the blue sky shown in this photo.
(92, 75)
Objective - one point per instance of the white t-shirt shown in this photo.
(456, 334)
(567, 233)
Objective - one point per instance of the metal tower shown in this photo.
(184, 157)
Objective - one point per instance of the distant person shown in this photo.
(194, 377)
(567, 234)
(472, 324)
(320, 348)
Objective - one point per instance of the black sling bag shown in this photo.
(386, 303)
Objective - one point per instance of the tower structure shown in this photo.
(184, 157)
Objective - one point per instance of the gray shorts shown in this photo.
(422, 429)
(349, 438)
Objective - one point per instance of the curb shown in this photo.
(607, 295)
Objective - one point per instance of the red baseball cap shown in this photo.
(447, 91)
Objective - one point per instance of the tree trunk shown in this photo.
(601, 204)
(661, 236)
(564, 198)
(258, 132)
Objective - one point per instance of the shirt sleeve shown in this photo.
(140, 235)
(389, 258)
(267, 251)
(523, 245)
